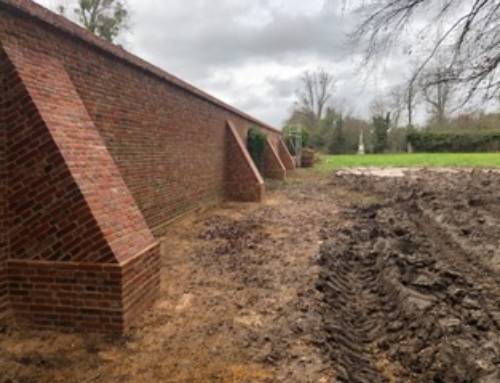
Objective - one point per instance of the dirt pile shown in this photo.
(411, 290)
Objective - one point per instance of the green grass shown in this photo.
(484, 160)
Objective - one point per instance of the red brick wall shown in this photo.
(3, 197)
(167, 141)
(97, 147)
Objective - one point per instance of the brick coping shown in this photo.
(61, 24)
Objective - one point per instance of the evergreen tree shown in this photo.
(381, 132)
(337, 143)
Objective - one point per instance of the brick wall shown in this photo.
(98, 149)
(3, 197)
(167, 140)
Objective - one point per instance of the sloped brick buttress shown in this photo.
(285, 156)
(272, 165)
(243, 180)
(78, 253)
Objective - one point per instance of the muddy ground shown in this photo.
(412, 281)
(351, 277)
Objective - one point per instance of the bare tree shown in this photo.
(397, 102)
(469, 36)
(316, 90)
(379, 107)
(411, 100)
(408, 97)
(437, 93)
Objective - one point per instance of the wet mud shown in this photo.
(410, 280)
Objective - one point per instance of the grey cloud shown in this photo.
(283, 88)
(210, 34)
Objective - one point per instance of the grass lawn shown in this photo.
(485, 160)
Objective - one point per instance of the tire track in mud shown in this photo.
(350, 327)
(354, 313)
(405, 302)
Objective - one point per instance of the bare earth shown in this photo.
(354, 277)
(237, 304)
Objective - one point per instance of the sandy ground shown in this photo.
(360, 276)
(238, 304)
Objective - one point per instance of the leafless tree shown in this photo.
(379, 107)
(411, 99)
(315, 92)
(397, 102)
(437, 93)
(469, 36)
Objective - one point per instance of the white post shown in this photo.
(361, 147)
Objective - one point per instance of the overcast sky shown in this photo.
(251, 53)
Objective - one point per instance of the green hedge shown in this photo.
(427, 141)
(256, 143)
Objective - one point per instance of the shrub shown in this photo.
(480, 141)
(305, 137)
(256, 143)
(337, 142)
(381, 129)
